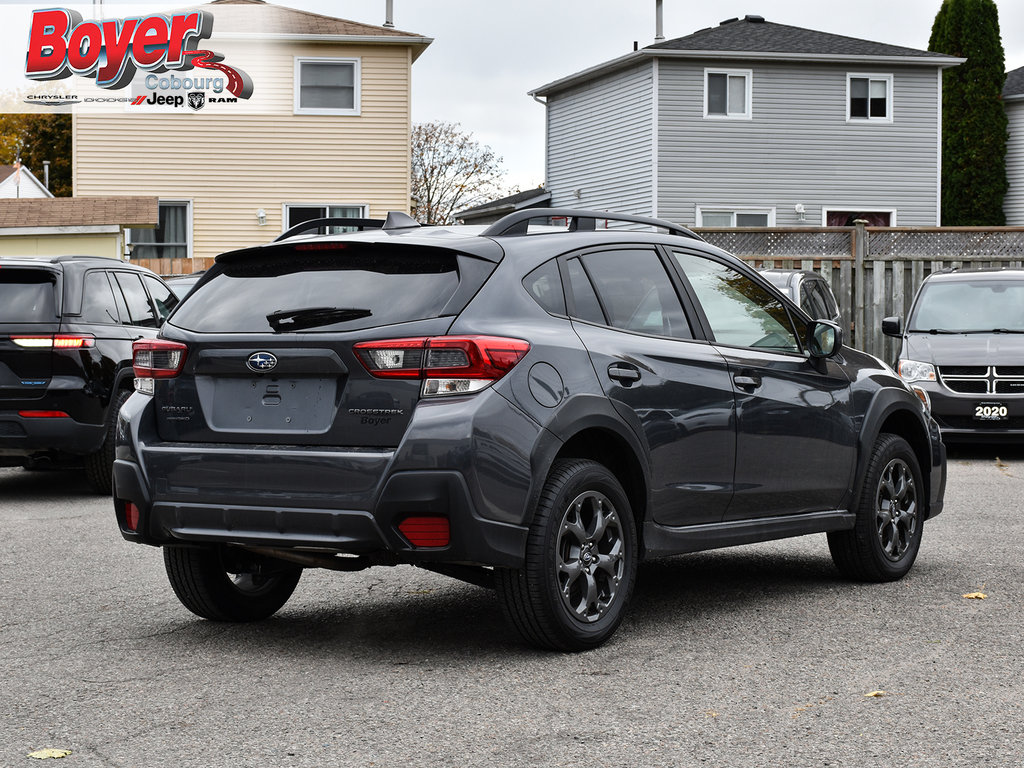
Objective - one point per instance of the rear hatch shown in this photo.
(268, 343)
(29, 318)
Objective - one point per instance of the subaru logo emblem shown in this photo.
(261, 362)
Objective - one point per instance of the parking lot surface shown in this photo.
(752, 656)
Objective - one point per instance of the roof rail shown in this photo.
(517, 223)
(305, 226)
(395, 220)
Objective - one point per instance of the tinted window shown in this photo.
(812, 301)
(27, 295)
(545, 285)
(98, 299)
(162, 296)
(140, 311)
(636, 292)
(586, 305)
(976, 305)
(324, 291)
(741, 313)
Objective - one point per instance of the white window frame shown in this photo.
(189, 227)
(356, 85)
(748, 92)
(734, 209)
(826, 210)
(363, 208)
(889, 99)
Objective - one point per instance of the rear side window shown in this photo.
(337, 290)
(140, 311)
(545, 285)
(98, 299)
(27, 296)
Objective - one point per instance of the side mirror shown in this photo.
(824, 339)
(892, 326)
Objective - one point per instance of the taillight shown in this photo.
(447, 365)
(156, 359)
(56, 341)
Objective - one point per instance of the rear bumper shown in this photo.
(474, 540)
(21, 436)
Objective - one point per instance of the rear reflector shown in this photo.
(43, 415)
(426, 531)
(55, 341)
(131, 516)
(447, 365)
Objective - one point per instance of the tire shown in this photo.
(580, 567)
(100, 465)
(214, 590)
(885, 540)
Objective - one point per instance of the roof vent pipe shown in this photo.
(659, 31)
(389, 14)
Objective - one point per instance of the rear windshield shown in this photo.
(976, 306)
(27, 295)
(336, 290)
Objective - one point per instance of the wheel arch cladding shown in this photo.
(617, 455)
(893, 414)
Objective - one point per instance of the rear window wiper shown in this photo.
(312, 317)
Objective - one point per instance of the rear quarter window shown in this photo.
(27, 295)
(334, 290)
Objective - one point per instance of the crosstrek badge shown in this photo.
(61, 44)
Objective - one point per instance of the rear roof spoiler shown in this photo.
(395, 220)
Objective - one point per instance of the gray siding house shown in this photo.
(1013, 102)
(752, 123)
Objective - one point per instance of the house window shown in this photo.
(727, 93)
(172, 238)
(870, 98)
(297, 213)
(835, 217)
(326, 86)
(735, 217)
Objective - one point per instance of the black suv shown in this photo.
(66, 330)
(532, 410)
(963, 351)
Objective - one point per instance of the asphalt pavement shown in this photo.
(753, 656)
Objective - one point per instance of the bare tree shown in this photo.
(450, 171)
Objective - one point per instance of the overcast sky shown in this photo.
(488, 54)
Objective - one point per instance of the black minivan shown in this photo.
(962, 351)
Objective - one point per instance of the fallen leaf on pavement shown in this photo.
(975, 595)
(874, 695)
(43, 754)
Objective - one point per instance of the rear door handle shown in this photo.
(747, 380)
(624, 372)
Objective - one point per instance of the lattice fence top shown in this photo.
(948, 244)
(782, 243)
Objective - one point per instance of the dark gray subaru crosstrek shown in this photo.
(534, 411)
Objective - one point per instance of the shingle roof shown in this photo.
(511, 203)
(756, 39)
(1014, 85)
(259, 16)
(5, 171)
(79, 211)
(753, 34)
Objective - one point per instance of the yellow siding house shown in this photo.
(326, 132)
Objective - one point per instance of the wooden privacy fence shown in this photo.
(874, 271)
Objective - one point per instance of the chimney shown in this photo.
(659, 31)
(46, 174)
(389, 14)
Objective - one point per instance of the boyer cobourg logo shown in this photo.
(112, 51)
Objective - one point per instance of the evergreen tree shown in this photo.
(974, 132)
